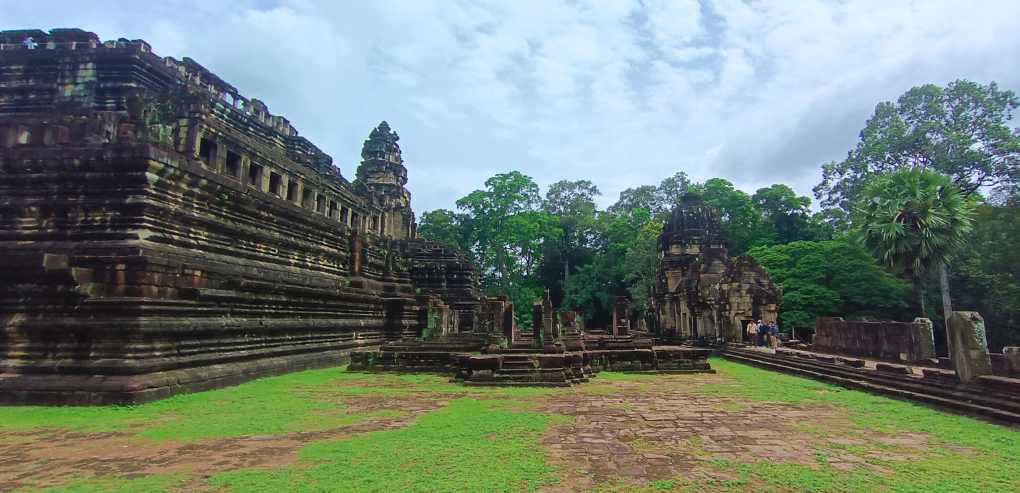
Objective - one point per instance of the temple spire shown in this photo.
(382, 171)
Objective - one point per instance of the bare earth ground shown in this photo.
(708, 432)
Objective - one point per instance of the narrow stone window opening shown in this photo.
(332, 209)
(275, 184)
(233, 164)
(206, 150)
(306, 199)
(320, 204)
(255, 175)
(291, 190)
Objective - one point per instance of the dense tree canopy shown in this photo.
(914, 220)
(880, 226)
(658, 201)
(960, 131)
(986, 274)
(743, 222)
(831, 278)
(789, 214)
(444, 226)
(586, 256)
(573, 202)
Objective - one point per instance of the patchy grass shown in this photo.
(487, 439)
(869, 411)
(145, 484)
(615, 376)
(303, 401)
(470, 445)
(658, 486)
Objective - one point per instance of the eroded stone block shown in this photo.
(968, 346)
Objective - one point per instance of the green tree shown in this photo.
(644, 197)
(507, 233)
(622, 244)
(960, 131)
(830, 278)
(641, 264)
(443, 226)
(742, 220)
(657, 200)
(788, 213)
(573, 202)
(914, 220)
(669, 193)
(986, 277)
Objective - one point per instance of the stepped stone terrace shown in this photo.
(161, 233)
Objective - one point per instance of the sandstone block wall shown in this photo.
(904, 341)
(159, 233)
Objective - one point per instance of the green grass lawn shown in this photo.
(487, 439)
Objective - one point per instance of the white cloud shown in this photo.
(622, 92)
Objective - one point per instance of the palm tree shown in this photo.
(914, 220)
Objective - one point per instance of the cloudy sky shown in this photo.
(620, 92)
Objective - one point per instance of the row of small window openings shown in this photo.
(233, 168)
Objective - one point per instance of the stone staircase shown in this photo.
(524, 369)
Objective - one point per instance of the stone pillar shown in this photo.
(356, 249)
(969, 346)
(1012, 355)
(621, 323)
(550, 323)
(536, 324)
(924, 339)
(219, 157)
(511, 323)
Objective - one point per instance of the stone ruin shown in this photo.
(903, 341)
(968, 346)
(701, 293)
(161, 233)
(560, 351)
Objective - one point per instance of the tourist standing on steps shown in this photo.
(762, 330)
(774, 335)
(752, 333)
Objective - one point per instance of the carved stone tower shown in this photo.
(382, 171)
(702, 292)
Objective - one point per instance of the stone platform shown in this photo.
(415, 355)
(524, 369)
(530, 367)
(657, 359)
